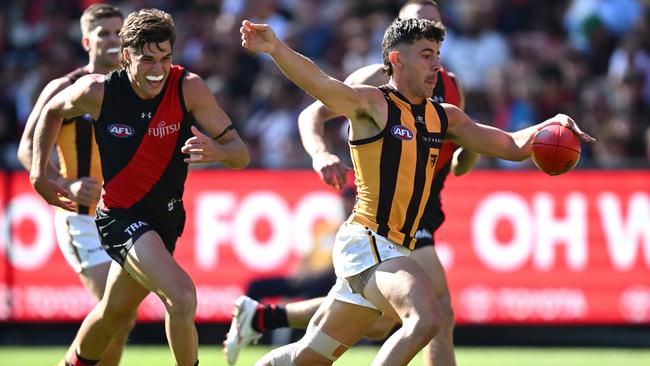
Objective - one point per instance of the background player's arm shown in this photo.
(463, 161)
(341, 99)
(311, 124)
(82, 97)
(228, 149)
(491, 141)
(25, 148)
(85, 190)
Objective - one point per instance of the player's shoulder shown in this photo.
(91, 81)
(452, 111)
(56, 85)
(194, 86)
(195, 91)
(191, 78)
(369, 75)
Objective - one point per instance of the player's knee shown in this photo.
(182, 301)
(283, 356)
(120, 320)
(422, 327)
(318, 348)
(305, 356)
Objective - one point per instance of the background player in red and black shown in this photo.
(143, 129)
(79, 166)
(440, 351)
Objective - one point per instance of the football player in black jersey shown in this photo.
(144, 120)
(80, 169)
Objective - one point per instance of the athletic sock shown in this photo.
(269, 317)
(80, 361)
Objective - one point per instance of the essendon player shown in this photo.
(143, 127)
(80, 168)
(440, 351)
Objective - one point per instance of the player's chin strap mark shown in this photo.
(225, 130)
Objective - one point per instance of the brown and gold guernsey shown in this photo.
(77, 149)
(395, 169)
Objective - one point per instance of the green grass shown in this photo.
(358, 356)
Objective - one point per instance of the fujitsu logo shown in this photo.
(163, 129)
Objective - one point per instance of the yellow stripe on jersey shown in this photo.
(395, 169)
(404, 184)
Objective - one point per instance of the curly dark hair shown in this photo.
(145, 26)
(408, 31)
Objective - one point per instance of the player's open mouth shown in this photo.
(113, 50)
(154, 81)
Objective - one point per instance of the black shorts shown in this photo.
(431, 221)
(120, 228)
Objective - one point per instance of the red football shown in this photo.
(556, 149)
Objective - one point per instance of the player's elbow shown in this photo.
(24, 154)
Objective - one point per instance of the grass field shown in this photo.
(359, 356)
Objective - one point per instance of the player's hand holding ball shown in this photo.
(556, 147)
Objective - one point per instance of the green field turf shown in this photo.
(359, 356)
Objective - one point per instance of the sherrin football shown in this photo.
(556, 149)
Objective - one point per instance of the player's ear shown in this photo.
(126, 55)
(394, 58)
(85, 43)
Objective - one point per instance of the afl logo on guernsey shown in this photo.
(119, 130)
(401, 132)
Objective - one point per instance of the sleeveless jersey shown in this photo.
(140, 144)
(395, 169)
(76, 147)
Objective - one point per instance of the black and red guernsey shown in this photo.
(140, 144)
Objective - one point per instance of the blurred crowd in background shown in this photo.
(519, 61)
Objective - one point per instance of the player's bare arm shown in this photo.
(491, 141)
(26, 141)
(372, 75)
(463, 161)
(311, 124)
(83, 97)
(361, 104)
(220, 143)
(85, 190)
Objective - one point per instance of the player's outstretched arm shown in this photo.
(491, 141)
(82, 97)
(340, 98)
(220, 142)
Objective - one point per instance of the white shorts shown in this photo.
(79, 240)
(356, 249)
